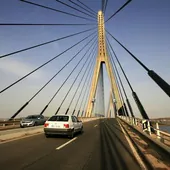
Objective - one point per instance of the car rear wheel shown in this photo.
(81, 130)
(47, 136)
(71, 136)
(21, 126)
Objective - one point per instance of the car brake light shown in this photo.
(46, 124)
(66, 125)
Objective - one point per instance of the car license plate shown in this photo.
(56, 126)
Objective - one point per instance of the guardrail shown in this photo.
(150, 149)
(10, 122)
(150, 127)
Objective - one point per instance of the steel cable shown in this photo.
(45, 43)
(73, 81)
(46, 63)
(74, 8)
(56, 10)
(82, 7)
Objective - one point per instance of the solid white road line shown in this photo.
(141, 163)
(66, 143)
(95, 126)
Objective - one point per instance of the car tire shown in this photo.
(71, 136)
(35, 124)
(47, 136)
(81, 131)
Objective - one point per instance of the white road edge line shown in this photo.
(142, 165)
(95, 126)
(66, 143)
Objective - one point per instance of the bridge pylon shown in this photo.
(102, 58)
(111, 106)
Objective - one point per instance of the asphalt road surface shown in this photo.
(102, 146)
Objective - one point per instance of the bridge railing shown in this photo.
(152, 128)
(9, 122)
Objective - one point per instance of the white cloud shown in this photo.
(18, 68)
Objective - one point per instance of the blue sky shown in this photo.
(143, 27)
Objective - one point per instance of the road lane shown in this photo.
(74, 156)
(115, 149)
(20, 153)
(24, 151)
(101, 147)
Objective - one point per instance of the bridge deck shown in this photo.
(101, 146)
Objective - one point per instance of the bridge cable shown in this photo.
(60, 70)
(85, 98)
(87, 7)
(121, 8)
(74, 79)
(75, 8)
(88, 66)
(84, 85)
(123, 110)
(82, 7)
(127, 100)
(102, 7)
(155, 77)
(86, 94)
(46, 63)
(104, 10)
(86, 91)
(138, 102)
(46, 84)
(45, 43)
(115, 71)
(42, 24)
(56, 10)
(128, 51)
(64, 80)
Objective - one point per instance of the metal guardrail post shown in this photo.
(133, 121)
(136, 121)
(158, 131)
(144, 125)
(149, 127)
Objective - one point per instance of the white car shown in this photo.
(62, 125)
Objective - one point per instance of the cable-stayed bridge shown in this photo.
(82, 76)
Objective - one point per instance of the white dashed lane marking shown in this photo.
(66, 143)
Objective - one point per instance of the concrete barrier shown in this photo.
(18, 133)
(88, 119)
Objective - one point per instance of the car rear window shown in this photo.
(32, 117)
(59, 118)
